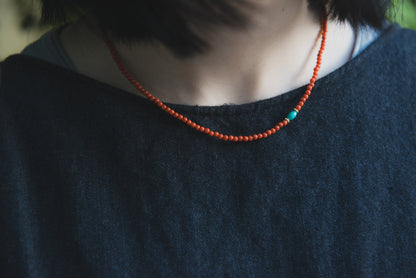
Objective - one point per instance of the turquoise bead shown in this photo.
(292, 115)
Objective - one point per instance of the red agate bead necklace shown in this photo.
(221, 136)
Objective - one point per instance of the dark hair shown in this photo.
(172, 22)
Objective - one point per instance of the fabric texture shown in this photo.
(98, 182)
(49, 48)
(364, 37)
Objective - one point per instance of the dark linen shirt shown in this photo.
(99, 182)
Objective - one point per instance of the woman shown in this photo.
(210, 139)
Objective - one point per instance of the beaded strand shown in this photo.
(292, 115)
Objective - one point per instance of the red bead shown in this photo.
(309, 87)
(260, 135)
(225, 137)
(303, 99)
(189, 122)
(285, 122)
(193, 125)
(277, 127)
(245, 138)
(235, 139)
(216, 133)
(176, 115)
(211, 133)
(308, 92)
(265, 135)
(298, 107)
(273, 130)
(220, 136)
(240, 138)
(255, 137)
(202, 129)
(301, 103)
(207, 130)
(180, 117)
(197, 127)
(231, 137)
(250, 138)
(280, 124)
(306, 96)
(269, 132)
(184, 119)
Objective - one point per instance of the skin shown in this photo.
(274, 55)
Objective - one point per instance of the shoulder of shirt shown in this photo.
(49, 48)
(392, 45)
(367, 35)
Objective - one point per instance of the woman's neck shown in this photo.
(274, 55)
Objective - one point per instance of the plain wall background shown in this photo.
(13, 38)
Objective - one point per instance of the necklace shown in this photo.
(216, 134)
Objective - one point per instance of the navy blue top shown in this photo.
(98, 182)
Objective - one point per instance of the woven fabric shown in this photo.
(98, 182)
